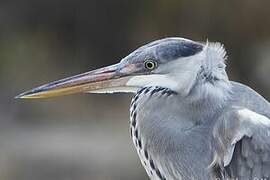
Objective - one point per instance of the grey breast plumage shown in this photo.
(163, 147)
(137, 138)
(173, 145)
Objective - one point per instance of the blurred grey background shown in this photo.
(85, 137)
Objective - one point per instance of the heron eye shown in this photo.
(150, 64)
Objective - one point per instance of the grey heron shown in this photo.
(187, 119)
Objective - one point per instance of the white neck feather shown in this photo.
(214, 63)
(212, 80)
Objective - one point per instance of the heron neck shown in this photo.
(212, 84)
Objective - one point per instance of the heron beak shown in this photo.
(99, 80)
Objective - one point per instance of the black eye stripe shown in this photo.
(175, 50)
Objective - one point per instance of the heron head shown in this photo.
(173, 63)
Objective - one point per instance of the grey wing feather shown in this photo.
(242, 145)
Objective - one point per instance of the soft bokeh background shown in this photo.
(85, 137)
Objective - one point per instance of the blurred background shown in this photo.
(85, 137)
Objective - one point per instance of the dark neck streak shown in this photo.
(152, 91)
(138, 136)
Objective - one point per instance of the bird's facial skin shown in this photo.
(167, 63)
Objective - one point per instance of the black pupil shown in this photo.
(150, 65)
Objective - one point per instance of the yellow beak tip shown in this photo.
(26, 95)
(22, 97)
